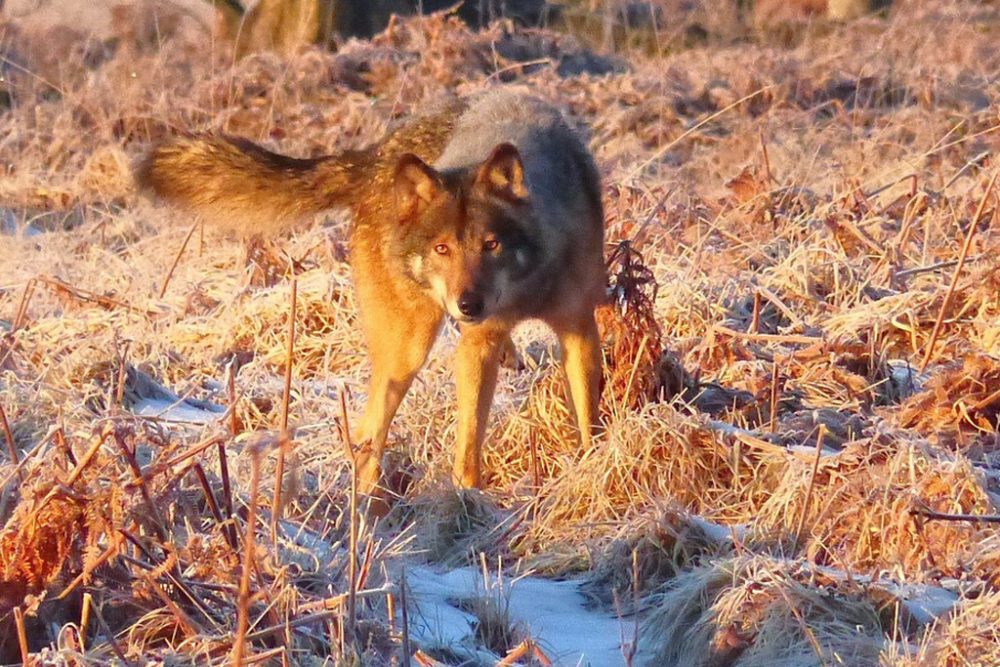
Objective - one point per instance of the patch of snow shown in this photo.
(178, 411)
(718, 532)
(904, 378)
(811, 449)
(924, 603)
(552, 612)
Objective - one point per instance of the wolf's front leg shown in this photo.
(581, 358)
(478, 359)
(399, 339)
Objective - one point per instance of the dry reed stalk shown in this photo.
(405, 640)
(249, 560)
(11, 445)
(423, 660)
(768, 338)
(390, 611)
(284, 440)
(22, 307)
(352, 552)
(754, 326)
(946, 264)
(115, 404)
(206, 488)
(184, 621)
(812, 483)
(227, 489)
(963, 253)
(194, 451)
(88, 602)
(775, 382)
(158, 524)
(942, 516)
(663, 150)
(630, 648)
(106, 302)
(528, 648)
(177, 259)
(110, 638)
(7, 348)
(22, 637)
(768, 174)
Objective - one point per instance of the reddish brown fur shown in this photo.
(522, 252)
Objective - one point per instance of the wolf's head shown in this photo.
(468, 235)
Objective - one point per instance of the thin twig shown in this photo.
(88, 602)
(905, 273)
(284, 441)
(812, 483)
(289, 355)
(22, 307)
(329, 607)
(775, 381)
(958, 271)
(156, 519)
(405, 617)
(11, 446)
(87, 295)
(227, 490)
(352, 549)
(206, 487)
(660, 152)
(22, 637)
(942, 516)
(110, 637)
(770, 338)
(177, 259)
(243, 611)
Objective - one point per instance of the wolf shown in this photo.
(486, 210)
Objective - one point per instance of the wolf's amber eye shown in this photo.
(441, 248)
(491, 245)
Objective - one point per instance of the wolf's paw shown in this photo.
(510, 359)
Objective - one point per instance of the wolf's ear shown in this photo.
(503, 174)
(416, 185)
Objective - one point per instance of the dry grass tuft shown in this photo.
(656, 453)
(648, 552)
(451, 528)
(35, 545)
(859, 515)
(756, 610)
(960, 407)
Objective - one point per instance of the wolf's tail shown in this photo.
(246, 188)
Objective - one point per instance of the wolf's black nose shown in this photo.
(470, 305)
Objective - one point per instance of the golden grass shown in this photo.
(797, 214)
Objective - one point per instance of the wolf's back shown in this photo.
(246, 188)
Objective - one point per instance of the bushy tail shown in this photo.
(239, 185)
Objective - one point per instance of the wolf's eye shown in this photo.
(491, 245)
(441, 248)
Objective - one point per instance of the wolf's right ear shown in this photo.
(416, 185)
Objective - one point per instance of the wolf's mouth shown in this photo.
(465, 319)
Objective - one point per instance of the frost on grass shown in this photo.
(799, 385)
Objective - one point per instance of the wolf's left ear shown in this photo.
(503, 174)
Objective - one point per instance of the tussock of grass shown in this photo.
(648, 552)
(755, 610)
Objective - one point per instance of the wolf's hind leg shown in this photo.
(581, 358)
(478, 360)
